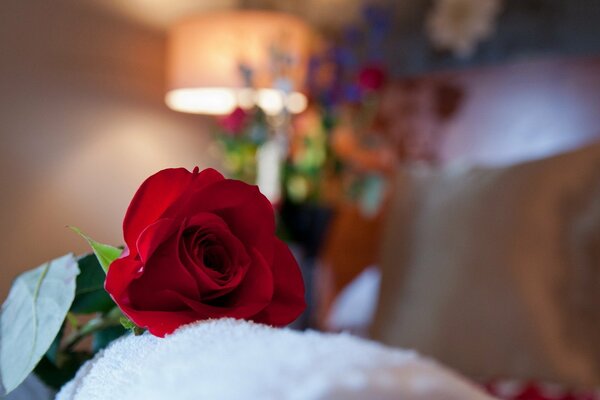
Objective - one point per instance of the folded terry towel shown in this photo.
(231, 359)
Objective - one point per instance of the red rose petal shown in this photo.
(161, 300)
(160, 323)
(211, 288)
(372, 77)
(120, 274)
(200, 246)
(206, 311)
(162, 271)
(252, 295)
(288, 299)
(212, 283)
(247, 212)
(158, 193)
(257, 286)
(153, 236)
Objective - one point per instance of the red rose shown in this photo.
(201, 246)
(235, 122)
(372, 77)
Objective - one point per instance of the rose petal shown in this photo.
(160, 323)
(257, 286)
(161, 300)
(200, 246)
(163, 270)
(288, 299)
(246, 211)
(213, 283)
(158, 193)
(205, 311)
(120, 274)
(211, 288)
(153, 236)
(252, 295)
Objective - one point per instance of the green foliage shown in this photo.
(131, 326)
(66, 355)
(104, 337)
(239, 158)
(58, 372)
(90, 296)
(32, 316)
(41, 328)
(105, 253)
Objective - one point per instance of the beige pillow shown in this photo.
(496, 272)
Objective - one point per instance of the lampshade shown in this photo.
(205, 54)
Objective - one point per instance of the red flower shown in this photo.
(531, 392)
(235, 122)
(200, 246)
(372, 77)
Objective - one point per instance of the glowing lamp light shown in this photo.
(205, 54)
(216, 101)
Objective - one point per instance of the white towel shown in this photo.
(229, 359)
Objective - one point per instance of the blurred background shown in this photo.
(434, 163)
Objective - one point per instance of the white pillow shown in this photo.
(354, 307)
(229, 359)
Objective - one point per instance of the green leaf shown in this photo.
(105, 253)
(32, 316)
(72, 320)
(52, 352)
(127, 323)
(130, 325)
(90, 296)
(94, 325)
(55, 376)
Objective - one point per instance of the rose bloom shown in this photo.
(200, 246)
(235, 122)
(372, 77)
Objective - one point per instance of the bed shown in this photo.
(490, 259)
(495, 271)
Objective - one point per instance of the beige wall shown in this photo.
(82, 123)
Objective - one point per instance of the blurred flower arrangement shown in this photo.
(254, 139)
(341, 148)
(239, 135)
(331, 143)
(346, 82)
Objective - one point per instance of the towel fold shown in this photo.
(228, 359)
